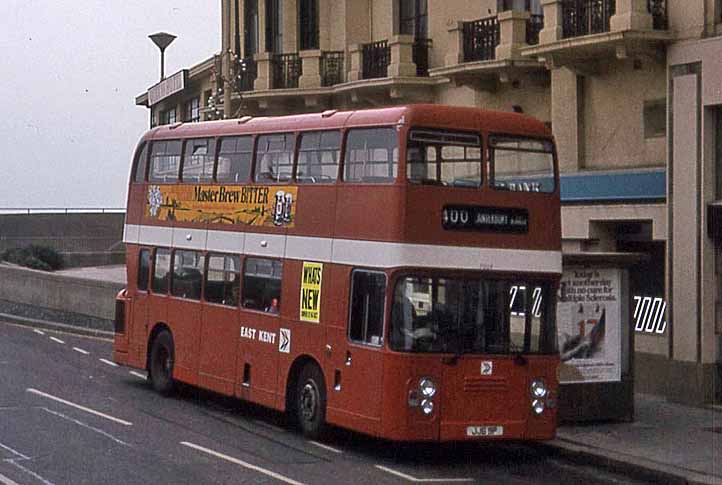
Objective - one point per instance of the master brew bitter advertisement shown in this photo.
(589, 326)
(310, 306)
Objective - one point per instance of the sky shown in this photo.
(69, 74)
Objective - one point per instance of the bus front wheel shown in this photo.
(162, 355)
(311, 401)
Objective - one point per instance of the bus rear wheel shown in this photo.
(311, 401)
(162, 356)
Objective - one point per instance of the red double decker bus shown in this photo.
(392, 271)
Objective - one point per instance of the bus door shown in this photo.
(136, 331)
(220, 326)
(357, 378)
(258, 346)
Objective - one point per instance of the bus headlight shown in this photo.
(427, 406)
(538, 389)
(427, 387)
(537, 406)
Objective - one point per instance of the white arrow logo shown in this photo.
(284, 343)
(487, 368)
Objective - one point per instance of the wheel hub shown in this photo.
(309, 401)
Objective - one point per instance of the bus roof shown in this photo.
(428, 115)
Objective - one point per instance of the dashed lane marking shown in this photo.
(325, 447)
(242, 463)
(84, 352)
(78, 406)
(86, 426)
(410, 478)
(39, 332)
(6, 481)
(54, 339)
(138, 375)
(105, 361)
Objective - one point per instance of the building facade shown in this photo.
(614, 79)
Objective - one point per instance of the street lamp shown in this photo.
(162, 40)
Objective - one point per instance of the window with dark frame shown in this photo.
(164, 161)
(367, 307)
(261, 288)
(198, 160)
(193, 110)
(274, 157)
(161, 271)
(372, 155)
(319, 154)
(187, 274)
(234, 159)
(141, 164)
(308, 24)
(250, 30)
(274, 26)
(413, 18)
(223, 279)
(167, 117)
(143, 269)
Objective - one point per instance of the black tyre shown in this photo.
(162, 356)
(310, 401)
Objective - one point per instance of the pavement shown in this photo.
(671, 442)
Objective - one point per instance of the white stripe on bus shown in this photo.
(352, 252)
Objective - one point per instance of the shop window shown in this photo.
(655, 119)
(318, 157)
(368, 302)
(262, 285)
(223, 279)
(161, 271)
(143, 269)
(165, 161)
(198, 160)
(187, 274)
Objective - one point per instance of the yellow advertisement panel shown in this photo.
(257, 205)
(310, 306)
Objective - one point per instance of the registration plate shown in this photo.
(484, 431)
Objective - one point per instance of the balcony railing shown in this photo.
(480, 39)
(286, 71)
(332, 68)
(420, 54)
(534, 25)
(585, 17)
(376, 59)
(246, 73)
(658, 9)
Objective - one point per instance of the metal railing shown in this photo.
(420, 56)
(246, 74)
(376, 59)
(332, 68)
(534, 25)
(585, 17)
(658, 9)
(287, 68)
(480, 39)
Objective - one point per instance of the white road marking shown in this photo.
(39, 332)
(87, 426)
(242, 463)
(30, 472)
(325, 447)
(78, 406)
(421, 480)
(14, 462)
(104, 361)
(57, 340)
(84, 352)
(139, 375)
(6, 481)
(14, 452)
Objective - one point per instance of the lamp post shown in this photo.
(162, 40)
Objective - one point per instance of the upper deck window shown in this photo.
(521, 164)
(165, 161)
(141, 163)
(318, 157)
(444, 158)
(274, 158)
(372, 155)
(234, 159)
(198, 159)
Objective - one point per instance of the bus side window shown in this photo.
(318, 157)
(234, 159)
(372, 155)
(198, 158)
(223, 279)
(165, 159)
(141, 162)
(161, 271)
(274, 158)
(368, 302)
(187, 274)
(262, 285)
(143, 269)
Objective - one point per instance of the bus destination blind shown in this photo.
(477, 218)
